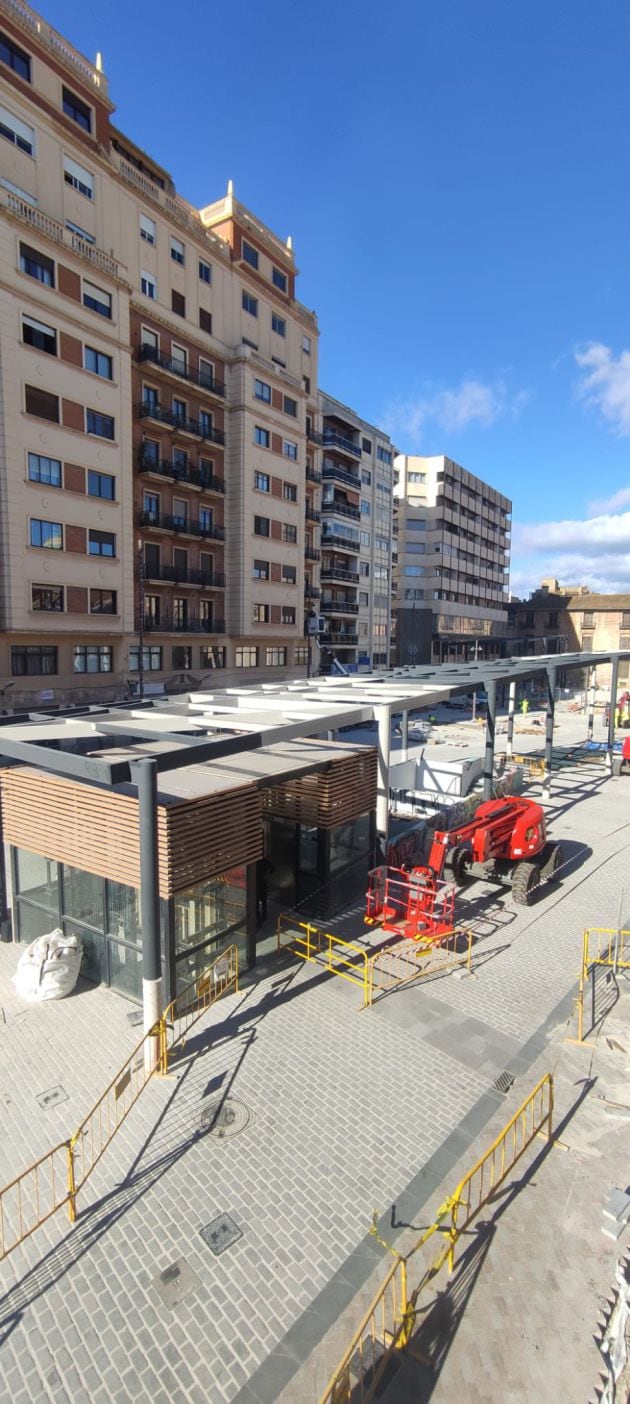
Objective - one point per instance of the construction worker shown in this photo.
(524, 707)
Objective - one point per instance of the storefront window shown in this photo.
(308, 848)
(37, 879)
(349, 843)
(123, 912)
(83, 897)
(208, 918)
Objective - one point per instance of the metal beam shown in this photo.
(610, 740)
(549, 718)
(88, 769)
(510, 724)
(145, 776)
(382, 787)
(488, 764)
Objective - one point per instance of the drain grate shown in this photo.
(224, 1117)
(503, 1082)
(135, 1018)
(175, 1282)
(221, 1233)
(51, 1098)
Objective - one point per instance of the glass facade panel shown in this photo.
(84, 897)
(94, 965)
(349, 843)
(203, 913)
(125, 969)
(123, 913)
(308, 849)
(37, 879)
(33, 921)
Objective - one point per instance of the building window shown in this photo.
(148, 229)
(289, 492)
(205, 424)
(416, 477)
(39, 335)
(383, 455)
(37, 265)
(101, 425)
(205, 321)
(300, 655)
(366, 477)
(364, 568)
(148, 285)
(262, 482)
(44, 470)
(290, 406)
(206, 519)
(41, 403)
(365, 538)
(290, 449)
(289, 575)
(47, 598)
(211, 656)
(261, 526)
(178, 303)
(47, 535)
(76, 110)
(413, 570)
(364, 598)
(77, 176)
(98, 362)
(101, 543)
(206, 373)
(205, 271)
(289, 533)
(366, 510)
(15, 58)
(182, 656)
(97, 299)
(279, 279)
(262, 436)
(625, 620)
(261, 570)
(412, 593)
(177, 251)
(101, 485)
(249, 254)
(33, 661)
(262, 391)
(103, 602)
(278, 362)
(276, 657)
(246, 658)
(260, 613)
(250, 304)
(151, 659)
(366, 445)
(278, 324)
(288, 614)
(92, 658)
(624, 641)
(17, 132)
(588, 621)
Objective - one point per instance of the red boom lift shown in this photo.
(621, 764)
(506, 840)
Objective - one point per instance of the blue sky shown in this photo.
(454, 176)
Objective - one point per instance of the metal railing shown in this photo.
(179, 368)
(192, 624)
(334, 470)
(185, 425)
(417, 960)
(343, 509)
(331, 439)
(343, 958)
(611, 951)
(386, 1327)
(340, 543)
(190, 474)
(185, 575)
(167, 522)
(56, 1178)
(340, 573)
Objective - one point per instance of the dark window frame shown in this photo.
(76, 109)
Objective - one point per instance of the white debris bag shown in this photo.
(49, 967)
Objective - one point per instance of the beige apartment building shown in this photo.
(356, 542)
(159, 493)
(567, 618)
(451, 579)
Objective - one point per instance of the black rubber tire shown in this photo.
(525, 880)
(617, 766)
(460, 860)
(553, 858)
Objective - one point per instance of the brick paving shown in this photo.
(348, 1110)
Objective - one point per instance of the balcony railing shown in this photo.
(161, 521)
(313, 435)
(167, 363)
(163, 468)
(332, 471)
(340, 543)
(167, 624)
(331, 439)
(311, 554)
(181, 423)
(312, 476)
(339, 607)
(312, 515)
(185, 575)
(312, 592)
(343, 509)
(351, 577)
(340, 638)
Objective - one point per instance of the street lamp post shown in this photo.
(140, 618)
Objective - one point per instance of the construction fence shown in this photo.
(57, 1177)
(602, 947)
(392, 1317)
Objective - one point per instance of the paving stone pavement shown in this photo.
(349, 1111)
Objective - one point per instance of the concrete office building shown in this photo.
(452, 539)
(158, 496)
(356, 569)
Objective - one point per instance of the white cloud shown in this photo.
(605, 384)
(472, 403)
(594, 551)
(610, 504)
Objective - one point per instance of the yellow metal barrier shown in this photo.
(56, 1178)
(389, 1322)
(415, 960)
(603, 946)
(343, 958)
(533, 766)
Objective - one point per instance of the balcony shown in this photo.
(312, 515)
(340, 543)
(170, 472)
(312, 592)
(313, 435)
(312, 476)
(160, 415)
(334, 472)
(160, 521)
(174, 367)
(331, 439)
(332, 573)
(343, 509)
(341, 639)
(339, 607)
(184, 575)
(311, 554)
(167, 624)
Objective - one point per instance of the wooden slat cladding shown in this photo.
(335, 795)
(97, 829)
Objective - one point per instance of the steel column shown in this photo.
(551, 707)
(145, 774)
(591, 704)
(404, 731)
(383, 717)
(610, 742)
(510, 723)
(488, 765)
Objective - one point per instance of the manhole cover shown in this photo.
(224, 1117)
(51, 1098)
(221, 1233)
(175, 1282)
(503, 1082)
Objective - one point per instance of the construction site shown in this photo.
(351, 1124)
